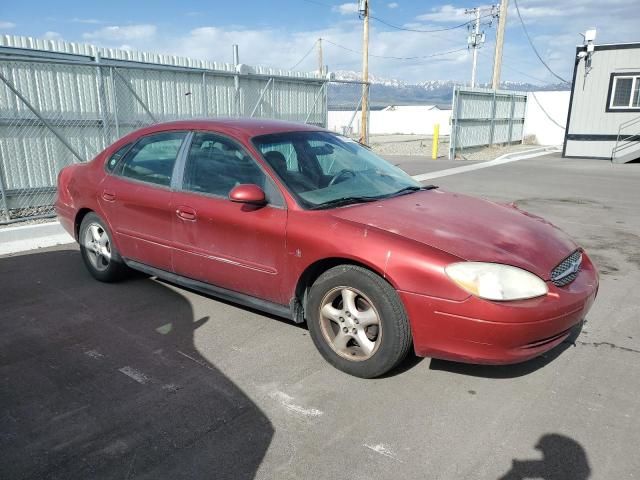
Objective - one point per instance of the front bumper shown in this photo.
(481, 331)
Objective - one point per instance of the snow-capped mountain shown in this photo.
(385, 91)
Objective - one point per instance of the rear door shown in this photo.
(137, 199)
(236, 246)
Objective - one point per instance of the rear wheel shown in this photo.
(357, 321)
(98, 251)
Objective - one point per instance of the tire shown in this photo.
(357, 321)
(98, 252)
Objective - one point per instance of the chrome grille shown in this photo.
(567, 270)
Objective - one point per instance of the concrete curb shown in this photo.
(507, 158)
(30, 237)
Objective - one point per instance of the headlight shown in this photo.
(493, 281)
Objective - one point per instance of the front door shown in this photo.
(137, 199)
(232, 245)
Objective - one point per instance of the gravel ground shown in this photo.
(420, 145)
(492, 152)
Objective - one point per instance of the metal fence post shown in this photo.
(455, 110)
(368, 112)
(205, 103)
(493, 119)
(40, 117)
(326, 106)
(102, 101)
(115, 103)
(513, 107)
(3, 192)
(236, 79)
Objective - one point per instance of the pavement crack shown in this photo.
(602, 344)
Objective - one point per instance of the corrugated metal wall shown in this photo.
(589, 119)
(485, 117)
(65, 102)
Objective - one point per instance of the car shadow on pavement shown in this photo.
(104, 381)
(562, 459)
(508, 371)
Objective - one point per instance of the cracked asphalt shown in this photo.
(143, 379)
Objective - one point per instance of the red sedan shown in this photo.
(303, 223)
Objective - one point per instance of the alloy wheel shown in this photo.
(98, 246)
(350, 323)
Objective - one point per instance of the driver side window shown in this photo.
(216, 164)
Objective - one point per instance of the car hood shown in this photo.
(470, 228)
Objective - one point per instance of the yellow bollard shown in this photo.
(434, 148)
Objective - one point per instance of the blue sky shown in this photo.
(279, 32)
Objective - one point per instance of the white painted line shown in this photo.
(508, 158)
(287, 402)
(29, 237)
(382, 450)
(134, 374)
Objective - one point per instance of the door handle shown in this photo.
(109, 196)
(188, 214)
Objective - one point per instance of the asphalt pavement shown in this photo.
(143, 379)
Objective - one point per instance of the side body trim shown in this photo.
(223, 293)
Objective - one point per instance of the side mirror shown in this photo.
(247, 193)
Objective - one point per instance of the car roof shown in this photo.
(248, 127)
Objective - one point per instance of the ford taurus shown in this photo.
(300, 222)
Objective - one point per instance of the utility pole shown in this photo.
(363, 9)
(497, 58)
(475, 40)
(320, 61)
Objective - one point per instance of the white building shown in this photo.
(394, 119)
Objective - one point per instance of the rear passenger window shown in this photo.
(216, 164)
(115, 158)
(152, 158)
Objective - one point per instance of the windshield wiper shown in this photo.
(339, 202)
(410, 189)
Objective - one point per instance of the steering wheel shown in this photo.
(340, 174)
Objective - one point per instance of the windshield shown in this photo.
(323, 169)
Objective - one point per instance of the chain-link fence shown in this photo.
(482, 117)
(57, 109)
(345, 109)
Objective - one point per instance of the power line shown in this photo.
(444, 29)
(524, 27)
(391, 57)
(509, 67)
(545, 112)
(305, 55)
(398, 27)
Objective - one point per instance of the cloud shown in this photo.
(346, 8)
(393, 5)
(122, 33)
(281, 46)
(4, 25)
(90, 21)
(52, 36)
(445, 13)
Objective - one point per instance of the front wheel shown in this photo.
(98, 251)
(357, 321)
